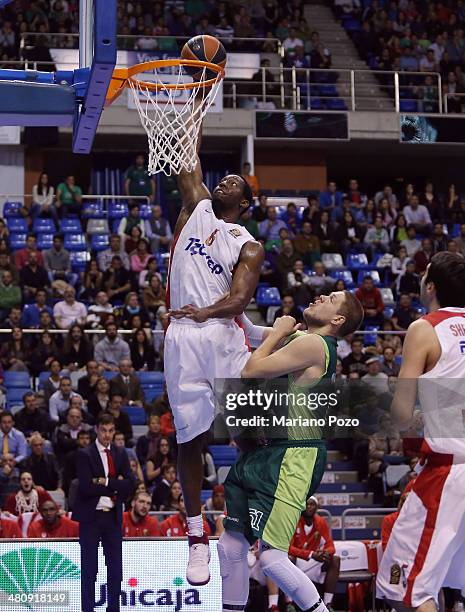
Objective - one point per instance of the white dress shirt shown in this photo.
(104, 501)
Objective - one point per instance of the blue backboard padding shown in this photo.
(32, 104)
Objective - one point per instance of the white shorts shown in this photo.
(312, 569)
(195, 354)
(426, 550)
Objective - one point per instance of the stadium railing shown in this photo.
(105, 200)
(366, 511)
(447, 100)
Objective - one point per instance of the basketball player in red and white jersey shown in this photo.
(426, 549)
(211, 256)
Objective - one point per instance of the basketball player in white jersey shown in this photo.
(427, 547)
(211, 256)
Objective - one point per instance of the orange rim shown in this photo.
(123, 77)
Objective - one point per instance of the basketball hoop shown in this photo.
(170, 112)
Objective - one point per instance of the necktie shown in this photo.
(6, 448)
(111, 465)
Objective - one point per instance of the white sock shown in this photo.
(195, 525)
(328, 598)
(273, 600)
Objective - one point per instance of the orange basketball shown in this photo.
(207, 49)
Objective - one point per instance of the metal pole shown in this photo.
(234, 101)
(86, 33)
(294, 87)
(446, 108)
(352, 88)
(281, 82)
(440, 93)
(264, 84)
(396, 91)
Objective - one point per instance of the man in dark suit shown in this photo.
(127, 384)
(105, 481)
(87, 383)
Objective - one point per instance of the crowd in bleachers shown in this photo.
(412, 36)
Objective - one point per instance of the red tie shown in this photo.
(111, 465)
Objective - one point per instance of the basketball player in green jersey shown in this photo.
(267, 488)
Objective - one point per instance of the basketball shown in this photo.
(207, 49)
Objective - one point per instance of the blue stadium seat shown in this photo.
(15, 394)
(109, 375)
(14, 380)
(136, 414)
(345, 275)
(75, 242)
(70, 226)
(44, 241)
(336, 104)
(408, 106)
(44, 226)
(99, 242)
(332, 261)
(388, 297)
(150, 393)
(268, 296)
(117, 210)
(79, 260)
(17, 241)
(357, 261)
(42, 378)
(316, 104)
(370, 339)
(388, 312)
(93, 210)
(327, 91)
(151, 378)
(205, 494)
(373, 273)
(145, 211)
(455, 231)
(223, 455)
(11, 209)
(17, 224)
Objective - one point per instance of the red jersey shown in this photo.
(176, 526)
(9, 529)
(146, 527)
(387, 526)
(63, 528)
(319, 538)
(10, 502)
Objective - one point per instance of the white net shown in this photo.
(172, 118)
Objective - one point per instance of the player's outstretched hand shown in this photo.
(190, 312)
(286, 325)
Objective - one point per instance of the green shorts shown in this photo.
(267, 490)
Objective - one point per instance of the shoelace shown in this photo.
(198, 553)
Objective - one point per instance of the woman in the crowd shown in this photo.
(99, 400)
(154, 465)
(43, 195)
(76, 349)
(91, 281)
(44, 353)
(15, 355)
(154, 297)
(142, 351)
(398, 231)
(172, 503)
(151, 269)
(140, 257)
(52, 383)
(131, 308)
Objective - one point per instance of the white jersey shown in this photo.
(442, 389)
(203, 258)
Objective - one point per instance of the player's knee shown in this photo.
(276, 565)
(232, 548)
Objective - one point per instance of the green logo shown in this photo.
(26, 570)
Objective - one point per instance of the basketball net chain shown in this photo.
(172, 119)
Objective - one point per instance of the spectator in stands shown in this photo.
(128, 223)
(172, 502)
(9, 477)
(138, 181)
(29, 498)
(320, 282)
(116, 280)
(22, 256)
(372, 302)
(154, 298)
(142, 352)
(388, 364)
(147, 444)
(385, 447)
(52, 525)
(325, 231)
(60, 400)
(350, 234)
(33, 277)
(127, 385)
(158, 230)
(155, 463)
(411, 243)
(162, 490)
(260, 212)
(76, 349)
(399, 265)
(418, 215)
(356, 359)
(31, 418)
(43, 195)
(69, 197)
(298, 284)
(452, 247)
(8, 39)
(132, 308)
(250, 178)
(58, 263)
(9, 529)
(99, 399)
(15, 355)
(428, 62)
(331, 198)
(31, 314)
(111, 349)
(43, 357)
(375, 378)
(67, 434)
(105, 258)
(307, 244)
(288, 308)
(91, 281)
(285, 262)
(176, 526)
(320, 55)
(83, 440)
(87, 383)
(137, 523)
(423, 256)
(139, 258)
(41, 465)
(398, 231)
(12, 440)
(69, 311)
(377, 238)
(270, 228)
(404, 314)
(122, 422)
(439, 238)
(6, 264)
(99, 313)
(10, 294)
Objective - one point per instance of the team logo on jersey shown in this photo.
(195, 247)
(235, 232)
(462, 347)
(211, 239)
(395, 574)
(255, 518)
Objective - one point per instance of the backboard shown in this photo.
(67, 98)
